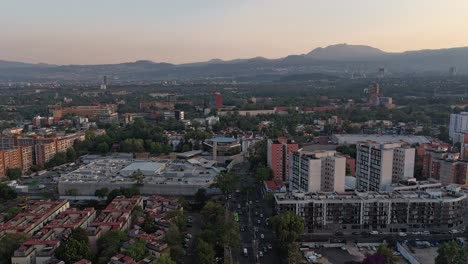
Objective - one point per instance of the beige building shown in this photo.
(317, 171)
(379, 165)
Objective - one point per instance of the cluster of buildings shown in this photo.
(24, 152)
(89, 111)
(383, 195)
(47, 223)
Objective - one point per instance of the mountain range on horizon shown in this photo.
(336, 59)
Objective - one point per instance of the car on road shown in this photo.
(269, 246)
(261, 215)
(356, 233)
(258, 221)
(246, 252)
(416, 233)
(425, 233)
(262, 236)
(260, 254)
(402, 234)
(454, 231)
(374, 232)
(338, 233)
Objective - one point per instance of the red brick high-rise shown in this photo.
(217, 100)
(278, 155)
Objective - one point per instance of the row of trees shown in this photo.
(220, 230)
(136, 137)
(61, 158)
(288, 227)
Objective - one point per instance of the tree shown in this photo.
(263, 173)
(74, 247)
(138, 176)
(14, 173)
(227, 182)
(12, 212)
(294, 254)
(204, 252)
(164, 260)
(8, 244)
(149, 226)
(7, 193)
(71, 250)
(212, 213)
(173, 235)
(288, 226)
(71, 155)
(103, 148)
(452, 253)
(109, 244)
(101, 193)
(200, 197)
(177, 253)
(387, 253)
(137, 250)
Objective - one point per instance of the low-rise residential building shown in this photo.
(403, 211)
(116, 216)
(34, 218)
(41, 247)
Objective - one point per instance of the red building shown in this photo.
(351, 164)
(279, 152)
(217, 100)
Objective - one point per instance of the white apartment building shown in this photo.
(317, 171)
(458, 126)
(379, 165)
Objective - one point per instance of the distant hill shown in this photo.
(345, 52)
(339, 60)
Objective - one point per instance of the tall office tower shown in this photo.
(379, 165)
(317, 171)
(381, 72)
(453, 71)
(373, 94)
(458, 126)
(104, 83)
(278, 155)
(217, 100)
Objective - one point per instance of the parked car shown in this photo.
(374, 232)
(402, 234)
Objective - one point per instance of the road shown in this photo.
(253, 213)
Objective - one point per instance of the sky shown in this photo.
(182, 31)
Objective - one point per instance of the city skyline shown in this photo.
(122, 31)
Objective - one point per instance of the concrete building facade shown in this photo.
(379, 165)
(435, 210)
(458, 126)
(314, 171)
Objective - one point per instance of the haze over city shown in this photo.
(234, 132)
(97, 32)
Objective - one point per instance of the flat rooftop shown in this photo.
(356, 196)
(223, 139)
(356, 138)
(177, 172)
